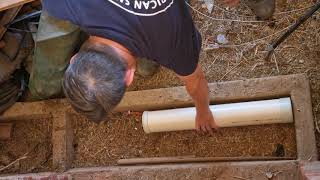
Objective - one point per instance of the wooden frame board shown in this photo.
(294, 86)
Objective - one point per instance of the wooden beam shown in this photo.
(310, 170)
(62, 141)
(22, 111)
(229, 170)
(166, 160)
(295, 86)
(8, 4)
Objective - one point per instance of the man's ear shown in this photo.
(72, 59)
(129, 76)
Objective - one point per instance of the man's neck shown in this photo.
(120, 49)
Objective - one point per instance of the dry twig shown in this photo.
(276, 62)
(230, 71)
(219, 19)
(14, 162)
(238, 177)
(316, 119)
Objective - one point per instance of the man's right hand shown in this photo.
(232, 3)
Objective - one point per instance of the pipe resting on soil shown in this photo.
(226, 115)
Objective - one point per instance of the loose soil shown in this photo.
(122, 136)
(31, 139)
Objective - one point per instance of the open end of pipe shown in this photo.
(145, 122)
(286, 111)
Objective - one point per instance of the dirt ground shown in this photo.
(31, 142)
(241, 58)
(123, 137)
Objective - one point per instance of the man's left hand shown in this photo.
(205, 122)
(197, 87)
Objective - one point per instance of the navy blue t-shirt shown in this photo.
(160, 30)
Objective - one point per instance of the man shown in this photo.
(124, 33)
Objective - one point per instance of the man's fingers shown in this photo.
(214, 125)
(209, 129)
(198, 127)
(203, 128)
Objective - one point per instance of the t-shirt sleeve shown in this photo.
(187, 57)
(59, 9)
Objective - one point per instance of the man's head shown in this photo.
(95, 80)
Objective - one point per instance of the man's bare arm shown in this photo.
(197, 86)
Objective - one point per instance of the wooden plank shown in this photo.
(34, 110)
(227, 171)
(176, 97)
(310, 170)
(8, 16)
(295, 86)
(62, 141)
(8, 4)
(221, 92)
(280, 170)
(5, 131)
(165, 160)
(304, 123)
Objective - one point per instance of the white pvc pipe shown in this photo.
(225, 115)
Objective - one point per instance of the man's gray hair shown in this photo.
(94, 82)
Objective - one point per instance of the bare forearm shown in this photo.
(197, 87)
(199, 93)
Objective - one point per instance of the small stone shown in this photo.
(222, 39)
(207, 4)
(301, 61)
(269, 175)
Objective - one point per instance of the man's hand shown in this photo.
(205, 122)
(197, 87)
(232, 3)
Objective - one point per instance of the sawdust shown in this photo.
(122, 136)
(32, 139)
